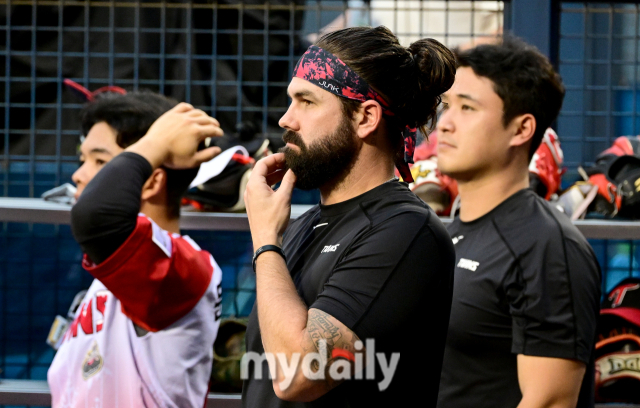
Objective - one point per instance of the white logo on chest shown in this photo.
(468, 264)
(329, 248)
(457, 239)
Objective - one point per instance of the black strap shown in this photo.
(266, 248)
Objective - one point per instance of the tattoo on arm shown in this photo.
(320, 327)
(323, 327)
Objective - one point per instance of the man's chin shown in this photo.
(290, 152)
(451, 171)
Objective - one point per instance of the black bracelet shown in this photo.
(266, 248)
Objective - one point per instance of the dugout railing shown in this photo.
(33, 210)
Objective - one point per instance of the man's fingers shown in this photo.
(182, 107)
(269, 164)
(207, 154)
(202, 117)
(287, 185)
(275, 177)
(209, 130)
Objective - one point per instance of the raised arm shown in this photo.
(106, 213)
(290, 331)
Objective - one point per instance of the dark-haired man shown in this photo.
(527, 284)
(144, 332)
(354, 292)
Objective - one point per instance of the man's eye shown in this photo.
(306, 102)
(467, 107)
(100, 162)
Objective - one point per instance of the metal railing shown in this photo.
(36, 393)
(33, 210)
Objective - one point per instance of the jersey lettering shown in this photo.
(218, 304)
(330, 248)
(73, 329)
(468, 264)
(101, 301)
(86, 318)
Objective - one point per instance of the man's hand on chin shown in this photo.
(268, 210)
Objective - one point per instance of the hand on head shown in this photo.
(174, 137)
(268, 210)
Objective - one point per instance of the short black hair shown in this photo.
(523, 78)
(131, 115)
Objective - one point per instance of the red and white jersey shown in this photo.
(165, 284)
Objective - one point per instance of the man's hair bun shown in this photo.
(435, 67)
(410, 79)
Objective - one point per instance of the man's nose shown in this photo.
(79, 178)
(287, 121)
(445, 122)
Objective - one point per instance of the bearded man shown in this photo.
(353, 300)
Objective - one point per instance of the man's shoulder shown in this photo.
(399, 203)
(170, 243)
(534, 221)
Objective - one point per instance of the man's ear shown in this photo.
(155, 187)
(524, 128)
(368, 118)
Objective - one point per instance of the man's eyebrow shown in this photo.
(468, 97)
(100, 150)
(303, 94)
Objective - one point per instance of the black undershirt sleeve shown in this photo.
(107, 211)
(554, 312)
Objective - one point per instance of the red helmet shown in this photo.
(546, 163)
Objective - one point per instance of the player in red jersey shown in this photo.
(144, 332)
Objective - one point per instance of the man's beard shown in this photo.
(323, 161)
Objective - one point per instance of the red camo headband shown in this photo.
(328, 72)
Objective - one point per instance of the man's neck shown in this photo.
(479, 196)
(365, 175)
(159, 215)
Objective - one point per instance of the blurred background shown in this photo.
(234, 59)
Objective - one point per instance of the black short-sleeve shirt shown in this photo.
(526, 282)
(382, 264)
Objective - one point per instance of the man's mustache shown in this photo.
(294, 138)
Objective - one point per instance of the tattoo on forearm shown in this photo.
(320, 328)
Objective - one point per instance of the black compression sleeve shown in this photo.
(107, 211)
